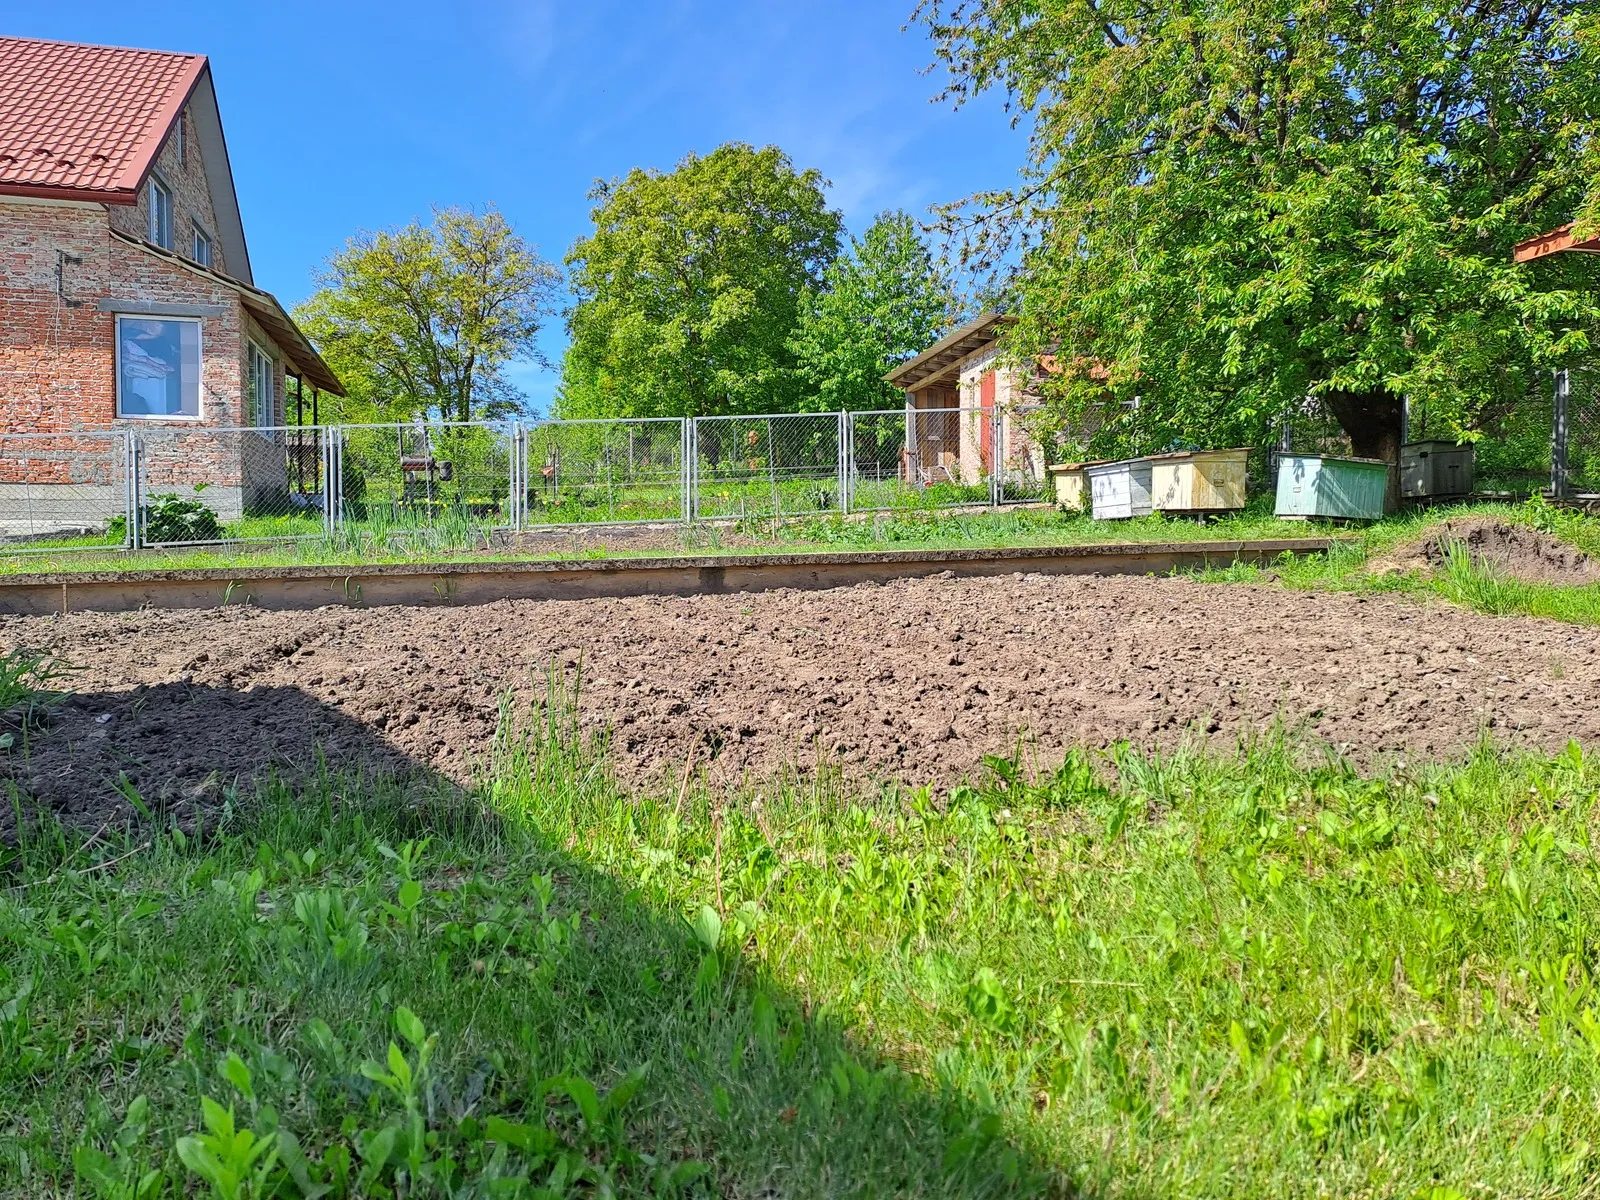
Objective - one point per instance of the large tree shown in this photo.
(878, 305)
(424, 320)
(691, 286)
(1239, 203)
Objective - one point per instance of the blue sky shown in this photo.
(349, 116)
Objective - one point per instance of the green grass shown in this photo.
(1232, 976)
(1463, 580)
(912, 525)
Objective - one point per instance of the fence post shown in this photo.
(997, 456)
(1560, 430)
(847, 460)
(332, 479)
(130, 490)
(688, 465)
(516, 469)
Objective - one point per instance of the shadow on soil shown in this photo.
(805, 1111)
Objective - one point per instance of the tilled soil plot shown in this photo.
(912, 681)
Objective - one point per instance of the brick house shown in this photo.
(126, 296)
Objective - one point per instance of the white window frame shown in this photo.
(200, 235)
(200, 389)
(252, 400)
(180, 140)
(157, 187)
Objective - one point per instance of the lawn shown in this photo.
(1253, 975)
(907, 526)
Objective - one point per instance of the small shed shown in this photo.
(958, 397)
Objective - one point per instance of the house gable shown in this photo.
(192, 166)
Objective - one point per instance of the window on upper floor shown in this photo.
(180, 137)
(202, 247)
(158, 367)
(160, 199)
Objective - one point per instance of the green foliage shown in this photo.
(1264, 974)
(691, 286)
(29, 683)
(169, 517)
(423, 320)
(1237, 204)
(885, 301)
(1463, 580)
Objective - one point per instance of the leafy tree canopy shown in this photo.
(422, 321)
(1237, 203)
(691, 287)
(879, 305)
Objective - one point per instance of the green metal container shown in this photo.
(1322, 485)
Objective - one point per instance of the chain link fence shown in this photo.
(463, 483)
(783, 465)
(455, 480)
(64, 490)
(1517, 441)
(605, 472)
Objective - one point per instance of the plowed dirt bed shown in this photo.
(914, 681)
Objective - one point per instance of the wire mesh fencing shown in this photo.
(1306, 428)
(939, 457)
(784, 465)
(64, 491)
(1575, 443)
(452, 480)
(604, 472)
(1019, 471)
(197, 485)
(462, 483)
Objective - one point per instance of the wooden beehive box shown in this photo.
(1198, 481)
(1119, 490)
(1330, 486)
(1071, 485)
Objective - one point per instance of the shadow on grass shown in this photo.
(321, 880)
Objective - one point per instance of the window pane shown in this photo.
(262, 398)
(158, 367)
(160, 216)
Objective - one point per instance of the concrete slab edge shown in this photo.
(305, 587)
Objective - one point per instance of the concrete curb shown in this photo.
(296, 587)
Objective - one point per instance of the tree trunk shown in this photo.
(1375, 424)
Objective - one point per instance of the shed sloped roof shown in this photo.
(1555, 241)
(86, 121)
(938, 359)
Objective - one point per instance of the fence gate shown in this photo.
(784, 465)
(604, 472)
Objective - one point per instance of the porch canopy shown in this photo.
(940, 359)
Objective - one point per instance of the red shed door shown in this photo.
(986, 432)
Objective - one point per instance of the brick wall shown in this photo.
(58, 360)
(191, 199)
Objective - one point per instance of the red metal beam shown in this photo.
(1557, 241)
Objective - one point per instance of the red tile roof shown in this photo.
(85, 122)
